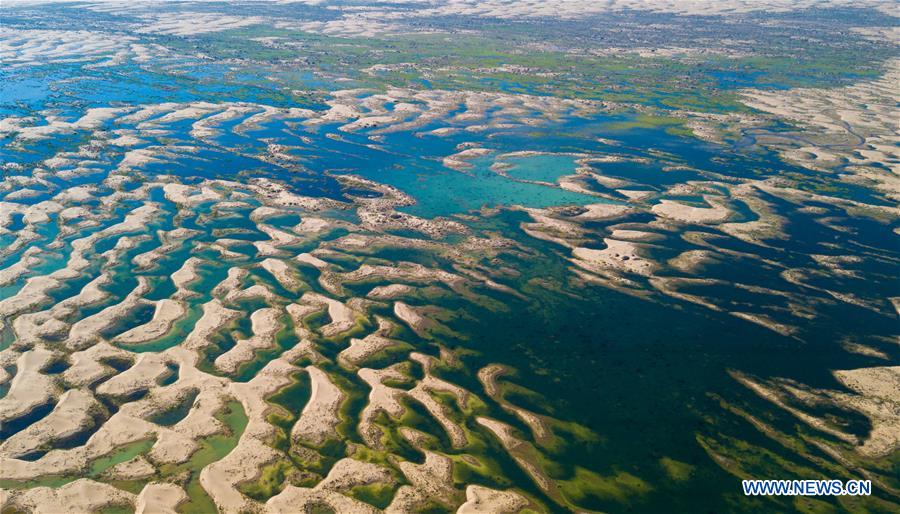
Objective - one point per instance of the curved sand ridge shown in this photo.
(821, 421)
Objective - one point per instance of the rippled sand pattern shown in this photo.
(221, 300)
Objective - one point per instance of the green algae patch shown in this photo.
(591, 490)
(212, 449)
(565, 435)
(677, 471)
(383, 458)
(94, 470)
(469, 469)
(271, 481)
(315, 320)
(361, 325)
(120, 455)
(645, 121)
(116, 509)
(379, 495)
(405, 384)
